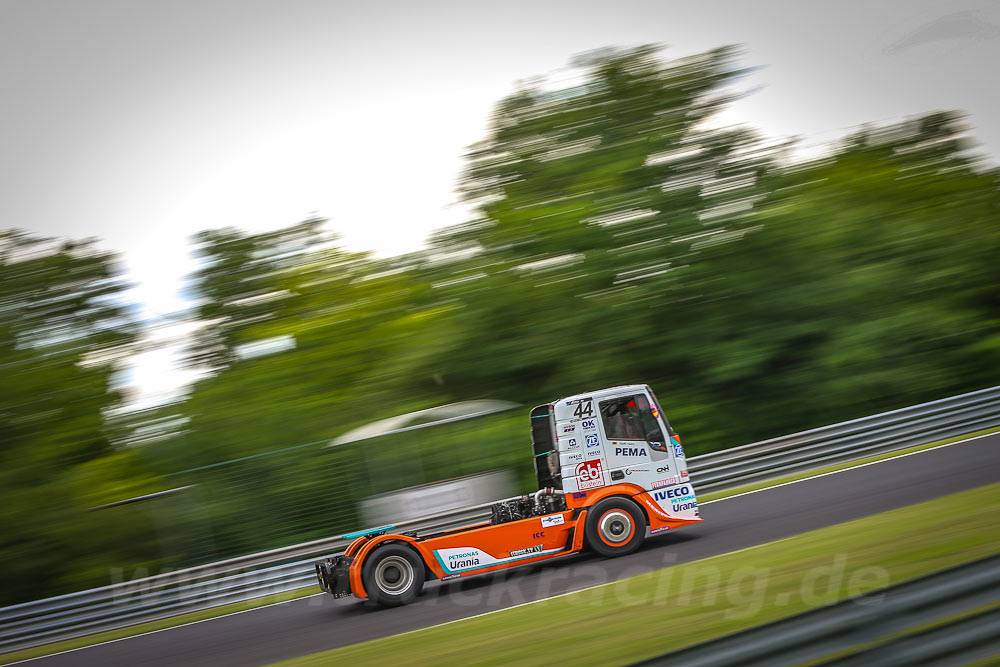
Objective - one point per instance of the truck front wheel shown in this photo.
(393, 575)
(615, 527)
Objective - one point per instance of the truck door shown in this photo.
(636, 445)
(673, 442)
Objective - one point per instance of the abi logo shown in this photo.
(590, 475)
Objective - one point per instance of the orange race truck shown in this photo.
(609, 468)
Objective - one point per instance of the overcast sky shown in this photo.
(143, 122)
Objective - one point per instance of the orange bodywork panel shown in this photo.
(486, 547)
(659, 520)
(353, 547)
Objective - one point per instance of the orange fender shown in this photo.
(357, 586)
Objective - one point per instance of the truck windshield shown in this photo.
(630, 418)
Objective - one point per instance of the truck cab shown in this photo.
(613, 436)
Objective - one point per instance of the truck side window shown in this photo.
(621, 418)
(630, 418)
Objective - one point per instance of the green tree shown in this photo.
(591, 203)
(63, 334)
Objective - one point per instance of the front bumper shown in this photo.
(333, 575)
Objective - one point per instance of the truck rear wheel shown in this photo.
(393, 575)
(615, 527)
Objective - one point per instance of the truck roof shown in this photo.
(600, 393)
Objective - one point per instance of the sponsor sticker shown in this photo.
(527, 550)
(455, 560)
(590, 475)
(579, 494)
(552, 520)
(684, 474)
(463, 559)
(450, 576)
(673, 495)
(664, 482)
(654, 531)
(593, 453)
(630, 451)
(569, 443)
(592, 440)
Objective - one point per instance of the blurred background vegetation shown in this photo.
(619, 237)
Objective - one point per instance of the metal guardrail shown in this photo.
(858, 438)
(863, 630)
(288, 568)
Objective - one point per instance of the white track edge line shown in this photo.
(522, 604)
(860, 465)
(153, 632)
(727, 553)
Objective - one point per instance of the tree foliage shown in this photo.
(61, 337)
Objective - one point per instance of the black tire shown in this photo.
(615, 527)
(393, 575)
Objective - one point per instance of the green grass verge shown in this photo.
(805, 474)
(646, 615)
(260, 602)
(121, 633)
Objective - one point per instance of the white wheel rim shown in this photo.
(394, 574)
(616, 526)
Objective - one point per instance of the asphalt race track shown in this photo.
(316, 623)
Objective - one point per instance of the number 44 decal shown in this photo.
(584, 409)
